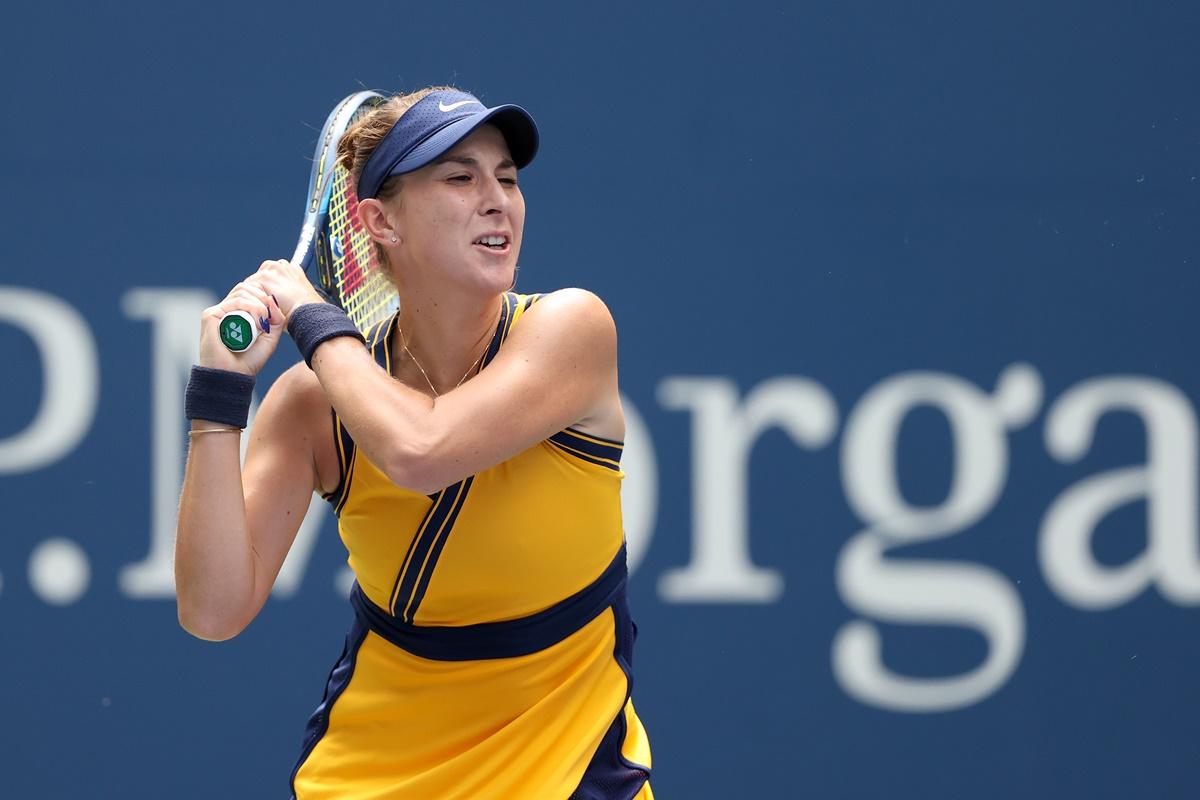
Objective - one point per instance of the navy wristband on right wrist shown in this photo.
(315, 323)
(218, 395)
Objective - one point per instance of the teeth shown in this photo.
(491, 241)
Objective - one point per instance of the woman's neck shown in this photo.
(445, 338)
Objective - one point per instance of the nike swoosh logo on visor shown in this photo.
(443, 107)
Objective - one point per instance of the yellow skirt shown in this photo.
(556, 723)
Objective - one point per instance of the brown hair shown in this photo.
(364, 135)
(360, 139)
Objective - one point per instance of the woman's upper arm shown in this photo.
(558, 366)
(280, 472)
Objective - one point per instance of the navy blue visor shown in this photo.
(435, 124)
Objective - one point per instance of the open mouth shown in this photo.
(496, 243)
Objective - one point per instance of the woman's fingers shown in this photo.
(284, 285)
(264, 307)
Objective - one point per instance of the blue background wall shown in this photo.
(888, 200)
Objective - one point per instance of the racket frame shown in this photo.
(313, 229)
(320, 182)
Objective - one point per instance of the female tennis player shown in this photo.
(471, 452)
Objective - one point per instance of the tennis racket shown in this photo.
(332, 240)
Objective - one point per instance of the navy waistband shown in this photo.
(517, 637)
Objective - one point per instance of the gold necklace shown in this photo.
(423, 372)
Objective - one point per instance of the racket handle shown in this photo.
(239, 330)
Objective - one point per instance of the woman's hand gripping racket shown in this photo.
(347, 272)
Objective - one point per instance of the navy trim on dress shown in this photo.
(585, 442)
(333, 497)
(517, 637)
(584, 456)
(610, 775)
(339, 679)
(347, 454)
(439, 542)
(506, 310)
(427, 546)
(439, 507)
(383, 336)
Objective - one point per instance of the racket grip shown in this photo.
(238, 330)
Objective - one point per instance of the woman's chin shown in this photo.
(498, 279)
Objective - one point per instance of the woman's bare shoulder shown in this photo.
(573, 319)
(574, 301)
(583, 318)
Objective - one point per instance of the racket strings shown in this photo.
(358, 280)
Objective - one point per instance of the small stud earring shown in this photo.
(394, 237)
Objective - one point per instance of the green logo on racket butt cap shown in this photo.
(238, 331)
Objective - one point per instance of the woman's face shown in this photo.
(463, 214)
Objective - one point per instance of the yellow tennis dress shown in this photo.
(490, 653)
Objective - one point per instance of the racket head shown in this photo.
(334, 248)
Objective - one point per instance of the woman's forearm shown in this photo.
(214, 558)
(390, 422)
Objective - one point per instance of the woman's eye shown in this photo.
(509, 181)
(459, 178)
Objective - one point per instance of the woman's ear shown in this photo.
(374, 217)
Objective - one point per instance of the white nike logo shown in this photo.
(443, 107)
